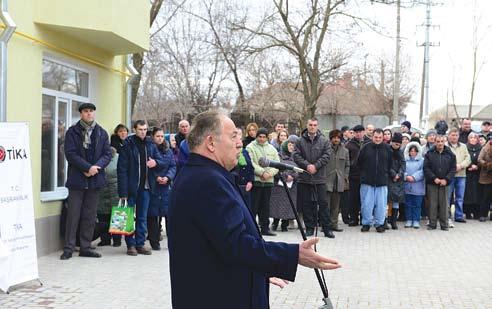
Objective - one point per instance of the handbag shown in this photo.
(122, 219)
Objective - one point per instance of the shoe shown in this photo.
(450, 223)
(460, 220)
(482, 219)
(156, 247)
(66, 255)
(353, 224)
(143, 251)
(416, 225)
(131, 251)
(309, 233)
(365, 228)
(284, 229)
(430, 227)
(90, 253)
(444, 228)
(329, 234)
(267, 233)
(408, 224)
(336, 229)
(103, 243)
(385, 224)
(117, 243)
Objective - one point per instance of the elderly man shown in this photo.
(369, 131)
(184, 129)
(212, 234)
(439, 169)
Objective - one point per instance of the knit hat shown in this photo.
(406, 135)
(407, 124)
(430, 132)
(335, 133)
(397, 138)
(263, 131)
(293, 139)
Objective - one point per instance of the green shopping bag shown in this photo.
(122, 219)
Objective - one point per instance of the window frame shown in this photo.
(61, 192)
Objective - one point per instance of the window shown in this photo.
(64, 89)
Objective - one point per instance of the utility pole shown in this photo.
(396, 90)
(424, 97)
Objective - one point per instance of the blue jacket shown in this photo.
(159, 197)
(183, 154)
(129, 166)
(212, 236)
(77, 159)
(415, 168)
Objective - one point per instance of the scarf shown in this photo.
(242, 160)
(87, 130)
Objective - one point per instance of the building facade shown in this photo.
(65, 53)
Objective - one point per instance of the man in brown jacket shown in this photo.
(338, 168)
(485, 163)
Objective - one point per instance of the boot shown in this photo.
(394, 216)
(385, 224)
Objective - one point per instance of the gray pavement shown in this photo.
(398, 269)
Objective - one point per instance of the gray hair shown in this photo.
(205, 124)
(472, 134)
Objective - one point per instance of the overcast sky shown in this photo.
(451, 60)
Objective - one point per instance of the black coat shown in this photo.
(78, 163)
(117, 142)
(464, 136)
(316, 152)
(396, 190)
(354, 146)
(375, 163)
(439, 165)
(472, 188)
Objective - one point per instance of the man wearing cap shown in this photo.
(405, 127)
(347, 134)
(430, 137)
(88, 152)
(354, 146)
(485, 128)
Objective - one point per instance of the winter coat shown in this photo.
(280, 207)
(414, 168)
(338, 169)
(159, 196)
(209, 220)
(316, 152)
(179, 137)
(257, 151)
(472, 188)
(108, 196)
(129, 166)
(248, 140)
(183, 154)
(485, 163)
(116, 142)
(464, 136)
(375, 162)
(354, 146)
(396, 191)
(245, 172)
(78, 161)
(439, 165)
(462, 158)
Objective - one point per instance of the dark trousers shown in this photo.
(246, 195)
(334, 206)
(82, 211)
(344, 206)
(354, 201)
(486, 200)
(104, 223)
(154, 229)
(307, 195)
(261, 205)
(438, 204)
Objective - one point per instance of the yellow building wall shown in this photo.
(24, 89)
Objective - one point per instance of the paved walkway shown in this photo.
(398, 269)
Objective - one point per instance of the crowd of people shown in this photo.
(373, 177)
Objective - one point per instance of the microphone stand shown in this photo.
(322, 283)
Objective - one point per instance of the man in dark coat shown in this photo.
(88, 153)
(312, 154)
(183, 130)
(439, 170)
(374, 163)
(137, 157)
(354, 146)
(465, 131)
(212, 233)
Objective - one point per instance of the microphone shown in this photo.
(265, 162)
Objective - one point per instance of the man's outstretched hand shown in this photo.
(311, 259)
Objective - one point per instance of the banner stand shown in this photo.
(18, 255)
